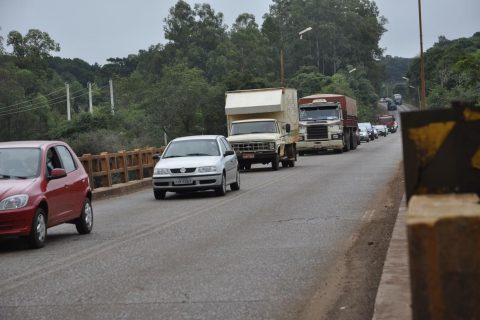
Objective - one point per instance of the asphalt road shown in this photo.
(268, 251)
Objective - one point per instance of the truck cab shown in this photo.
(258, 140)
(327, 122)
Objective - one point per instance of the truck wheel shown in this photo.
(276, 163)
(353, 141)
(247, 166)
(346, 142)
(301, 153)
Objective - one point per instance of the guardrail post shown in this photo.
(444, 246)
(86, 161)
(123, 164)
(105, 167)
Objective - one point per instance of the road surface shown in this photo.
(300, 243)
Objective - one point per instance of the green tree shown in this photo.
(33, 49)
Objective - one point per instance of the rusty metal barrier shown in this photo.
(107, 169)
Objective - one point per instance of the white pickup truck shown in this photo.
(263, 126)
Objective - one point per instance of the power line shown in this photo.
(39, 105)
(36, 106)
(26, 101)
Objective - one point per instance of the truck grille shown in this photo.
(317, 132)
(250, 146)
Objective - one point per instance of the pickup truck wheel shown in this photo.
(159, 194)
(247, 166)
(222, 190)
(276, 163)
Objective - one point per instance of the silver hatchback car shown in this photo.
(196, 163)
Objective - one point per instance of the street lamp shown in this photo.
(282, 63)
(418, 91)
(413, 87)
(303, 31)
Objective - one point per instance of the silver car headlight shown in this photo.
(161, 171)
(271, 145)
(14, 202)
(207, 169)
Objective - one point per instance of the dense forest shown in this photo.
(179, 87)
(452, 71)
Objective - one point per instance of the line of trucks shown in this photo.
(272, 126)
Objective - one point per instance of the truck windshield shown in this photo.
(253, 127)
(318, 113)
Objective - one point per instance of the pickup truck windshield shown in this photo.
(318, 113)
(253, 127)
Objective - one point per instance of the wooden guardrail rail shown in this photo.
(107, 169)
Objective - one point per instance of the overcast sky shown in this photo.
(95, 30)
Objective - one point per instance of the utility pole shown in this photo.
(67, 86)
(90, 105)
(423, 102)
(282, 68)
(111, 96)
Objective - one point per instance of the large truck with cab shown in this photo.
(327, 122)
(263, 126)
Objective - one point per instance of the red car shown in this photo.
(42, 184)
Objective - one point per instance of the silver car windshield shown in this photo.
(192, 148)
(19, 163)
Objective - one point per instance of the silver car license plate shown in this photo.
(183, 181)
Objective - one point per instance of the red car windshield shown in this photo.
(19, 163)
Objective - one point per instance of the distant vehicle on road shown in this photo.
(42, 184)
(382, 129)
(389, 121)
(364, 136)
(391, 105)
(397, 97)
(196, 163)
(369, 128)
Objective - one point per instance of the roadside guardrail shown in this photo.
(107, 169)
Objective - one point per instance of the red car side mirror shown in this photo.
(57, 173)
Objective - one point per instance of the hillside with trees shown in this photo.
(180, 86)
(452, 71)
